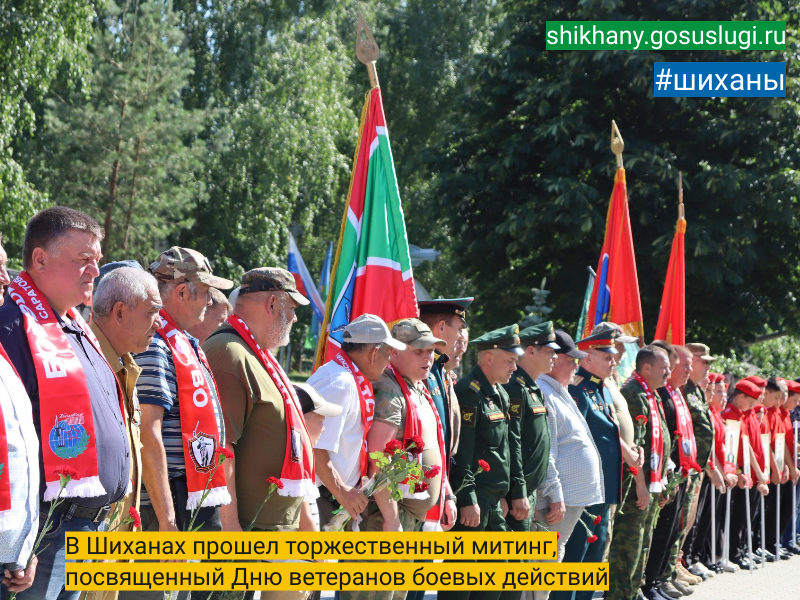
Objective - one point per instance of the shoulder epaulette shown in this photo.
(594, 379)
(577, 380)
(475, 385)
(520, 380)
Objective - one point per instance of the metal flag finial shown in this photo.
(367, 50)
(617, 143)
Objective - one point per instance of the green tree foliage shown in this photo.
(526, 176)
(126, 152)
(282, 157)
(37, 39)
(777, 357)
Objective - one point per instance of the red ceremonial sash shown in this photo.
(7, 520)
(366, 398)
(687, 446)
(199, 430)
(413, 427)
(656, 437)
(68, 438)
(297, 473)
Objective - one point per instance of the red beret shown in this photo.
(716, 377)
(793, 386)
(748, 387)
(759, 408)
(762, 383)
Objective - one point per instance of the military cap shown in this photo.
(413, 332)
(759, 381)
(271, 279)
(749, 388)
(183, 265)
(566, 345)
(621, 338)
(539, 335)
(701, 350)
(793, 386)
(603, 341)
(505, 338)
(445, 306)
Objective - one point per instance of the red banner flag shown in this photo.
(615, 295)
(672, 316)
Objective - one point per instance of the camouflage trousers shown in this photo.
(692, 489)
(633, 531)
(373, 521)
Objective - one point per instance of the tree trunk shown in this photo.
(112, 186)
(132, 199)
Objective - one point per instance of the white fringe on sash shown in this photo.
(85, 487)
(216, 497)
(408, 494)
(432, 526)
(299, 488)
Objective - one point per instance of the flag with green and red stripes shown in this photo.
(372, 268)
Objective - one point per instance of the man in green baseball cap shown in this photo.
(528, 422)
(484, 435)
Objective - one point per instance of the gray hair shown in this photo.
(165, 288)
(127, 285)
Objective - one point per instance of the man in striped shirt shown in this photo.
(184, 283)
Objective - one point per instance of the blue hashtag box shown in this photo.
(719, 79)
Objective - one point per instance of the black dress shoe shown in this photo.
(743, 563)
(793, 549)
(785, 554)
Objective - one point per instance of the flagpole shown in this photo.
(367, 50)
(794, 489)
(617, 143)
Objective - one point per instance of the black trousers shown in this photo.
(785, 515)
(697, 546)
(739, 516)
(668, 528)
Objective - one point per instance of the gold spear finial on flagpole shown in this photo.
(680, 195)
(617, 143)
(367, 50)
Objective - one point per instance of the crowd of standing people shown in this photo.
(126, 411)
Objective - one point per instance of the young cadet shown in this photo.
(635, 518)
(529, 420)
(484, 436)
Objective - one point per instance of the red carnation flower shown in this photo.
(422, 486)
(65, 471)
(597, 520)
(226, 453)
(641, 419)
(433, 471)
(685, 472)
(276, 482)
(483, 466)
(415, 444)
(591, 539)
(134, 514)
(392, 446)
(633, 470)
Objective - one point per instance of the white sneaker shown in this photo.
(701, 567)
(728, 566)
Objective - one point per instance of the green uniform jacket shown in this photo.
(701, 420)
(639, 405)
(528, 424)
(484, 435)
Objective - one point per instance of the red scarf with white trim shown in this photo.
(413, 427)
(7, 519)
(68, 437)
(366, 398)
(199, 430)
(297, 473)
(687, 446)
(656, 438)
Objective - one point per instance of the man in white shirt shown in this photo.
(340, 455)
(574, 474)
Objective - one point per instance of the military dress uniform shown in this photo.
(528, 423)
(597, 407)
(484, 436)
